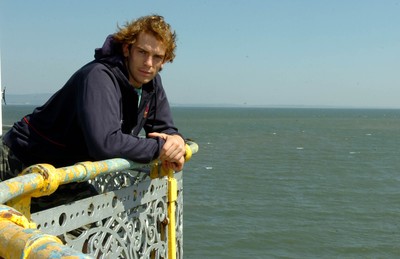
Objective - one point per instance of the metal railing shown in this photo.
(137, 212)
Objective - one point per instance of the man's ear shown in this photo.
(125, 49)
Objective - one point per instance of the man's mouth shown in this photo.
(145, 72)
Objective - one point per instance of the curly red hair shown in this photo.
(154, 24)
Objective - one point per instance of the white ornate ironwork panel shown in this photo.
(127, 219)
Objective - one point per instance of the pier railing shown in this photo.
(137, 213)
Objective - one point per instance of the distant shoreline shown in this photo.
(246, 107)
(27, 99)
(40, 99)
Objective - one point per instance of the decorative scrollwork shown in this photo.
(128, 219)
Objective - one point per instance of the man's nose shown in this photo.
(148, 61)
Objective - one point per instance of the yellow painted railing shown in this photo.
(19, 237)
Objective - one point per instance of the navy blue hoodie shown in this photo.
(95, 116)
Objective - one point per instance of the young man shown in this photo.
(100, 111)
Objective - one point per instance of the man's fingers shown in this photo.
(173, 149)
(176, 166)
(157, 134)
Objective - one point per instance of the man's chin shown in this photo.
(146, 80)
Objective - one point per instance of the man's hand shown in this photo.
(173, 152)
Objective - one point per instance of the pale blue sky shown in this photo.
(342, 53)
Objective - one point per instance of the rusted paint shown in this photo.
(16, 242)
(8, 214)
(14, 216)
(22, 204)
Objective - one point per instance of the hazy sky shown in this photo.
(254, 52)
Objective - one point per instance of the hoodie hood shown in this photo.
(110, 52)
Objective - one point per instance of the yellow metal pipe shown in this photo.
(20, 239)
(172, 196)
(17, 242)
(190, 148)
(43, 179)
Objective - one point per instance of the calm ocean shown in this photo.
(288, 183)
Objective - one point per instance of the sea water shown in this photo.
(288, 182)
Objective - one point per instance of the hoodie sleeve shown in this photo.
(100, 117)
(160, 118)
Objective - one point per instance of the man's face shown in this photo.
(144, 59)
